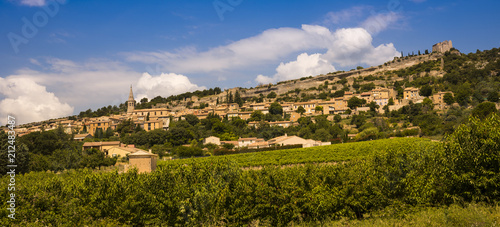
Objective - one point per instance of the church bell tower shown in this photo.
(130, 102)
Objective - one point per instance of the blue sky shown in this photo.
(58, 58)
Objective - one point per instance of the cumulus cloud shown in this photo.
(90, 84)
(270, 45)
(28, 101)
(305, 65)
(354, 46)
(379, 22)
(346, 46)
(82, 85)
(164, 85)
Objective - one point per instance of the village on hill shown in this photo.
(339, 95)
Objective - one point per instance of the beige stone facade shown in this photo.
(144, 161)
(442, 46)
(212, 140)
(102, 146)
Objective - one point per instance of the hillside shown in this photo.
(380, 182)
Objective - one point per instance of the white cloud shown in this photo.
(346, 46)
(270, 45)
(32, 2)
(354, 46)
(380, 22)
(28, 101)
(305, 65)
(164, 85)
(35, 62)
(346, 15)
(90, 84)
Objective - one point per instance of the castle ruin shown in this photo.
(442, 47)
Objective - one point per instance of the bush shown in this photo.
(183, 151)
(472, 156)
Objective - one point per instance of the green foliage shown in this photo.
(192, 119)
(358, 120)
(425, 91)
(354, 102)
(188, 151)
(271, 95)
(276, 109)
(228, 146)
(337, 118)
(484, 109)
(448, 98)
(493, 96)
(257, 116)
(300, 110)
(472, 158)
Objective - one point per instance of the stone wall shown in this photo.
(442, 46)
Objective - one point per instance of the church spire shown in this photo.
(131, 101)
(131, 95)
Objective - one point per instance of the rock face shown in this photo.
(442, 46)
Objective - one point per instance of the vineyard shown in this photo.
(396, 175)
(320, 154)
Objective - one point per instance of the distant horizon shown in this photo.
(59, 58)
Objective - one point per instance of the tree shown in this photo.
(484, 109)
(318, 109)
(228, 146)
(359, 67)
(322, 135)
(108, 133)
(448, 98)
(337, 118)
(358, 120)
(98, 133)
(271, 95)
(257, 116)
(463, 94)
(427, 103)
(354, 102)
(147, 117)
(229, 97)
(472, 158)
(493, 96)
(126, 126)
(276, 109)
(426, 51)
(192, 119)
(425, 91)
(391, 102)
(238, 99)
(373, 106)
(300, 110)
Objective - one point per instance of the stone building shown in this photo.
(130, 102)
(144, 161)
(442, 47)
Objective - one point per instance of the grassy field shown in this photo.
(321, 154)
(453, 216)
